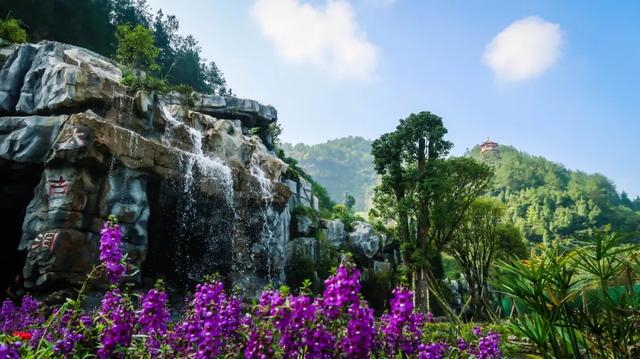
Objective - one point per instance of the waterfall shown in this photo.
(270, 220)
(205, 226)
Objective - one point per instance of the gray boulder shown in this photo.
(362, 240)
(63, 76)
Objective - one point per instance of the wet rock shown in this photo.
(59, 258)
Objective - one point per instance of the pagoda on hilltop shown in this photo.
(489, 147)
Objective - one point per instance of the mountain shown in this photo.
(340, 165)
(547, 201)
(543, 198)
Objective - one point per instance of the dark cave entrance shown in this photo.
(189, 237)
(18, 183)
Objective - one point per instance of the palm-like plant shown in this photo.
(578, 297)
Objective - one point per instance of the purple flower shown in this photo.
(400, 330)
(10, 350)
(111, 250)
(360, 332)
(153, 318)
(14, 318)
(211, 323)
(432, 351)
(462, 344)
(489, 346)
(341, 289)
(118, 318)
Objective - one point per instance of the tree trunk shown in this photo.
(423, 206)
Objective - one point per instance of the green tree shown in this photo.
(479, 240)
(349, 200)
(11, 30)
(136, 48)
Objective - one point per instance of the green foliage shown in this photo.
(83, 23)
(12, 31)
(92, 24)
(136, 48)
(275, 130)
(478, 242)
(578, 297)
(424, 196)
(546, 201)
(341, 165)
(139, 82)
(349, 200)
(309, 275)
(345, 215)
(188, 97)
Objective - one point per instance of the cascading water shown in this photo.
(269, 220)
(205, 223)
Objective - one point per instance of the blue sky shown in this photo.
(561, 81)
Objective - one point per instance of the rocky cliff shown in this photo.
(194, 191)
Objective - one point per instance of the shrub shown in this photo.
(11, 30)
(136, 48)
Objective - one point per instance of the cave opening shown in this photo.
(18, 183)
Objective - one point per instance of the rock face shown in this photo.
(194, 193)
(362, 240)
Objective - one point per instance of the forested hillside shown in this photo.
(341, 165)
(546, 200)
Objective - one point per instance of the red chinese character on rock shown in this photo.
(58, 187)
(45, 240)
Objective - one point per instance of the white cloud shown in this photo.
(325, 36)
(525, 49)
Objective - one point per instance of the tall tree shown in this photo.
(425, 194)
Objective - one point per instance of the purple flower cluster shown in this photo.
(432, 350)
(400, 330)
(488, 346)
(14, 318)
(211, 323)
(338, 324)
(153, 319)
(340, 289)
(68, 331)
(10, 350)
(360, 333)
(111, 250)
(118, 318)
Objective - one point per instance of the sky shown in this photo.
(559, 79)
